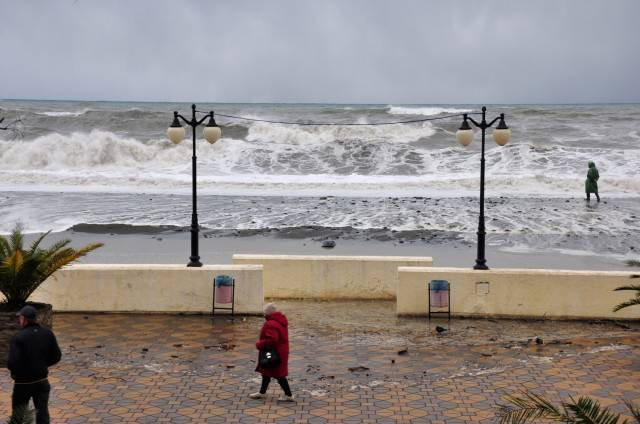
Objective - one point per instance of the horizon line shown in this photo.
(327, 103)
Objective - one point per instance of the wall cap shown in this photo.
(506, 271)
(160, 267)
(333, 258)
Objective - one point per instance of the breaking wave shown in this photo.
(426, 111)
(307, 162)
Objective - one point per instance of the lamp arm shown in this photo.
(185, 120)
(474, 122)
(203, 119)
(493, 122)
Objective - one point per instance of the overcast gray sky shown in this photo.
(346, 51)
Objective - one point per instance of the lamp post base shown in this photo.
(195, 262)
(481, 265)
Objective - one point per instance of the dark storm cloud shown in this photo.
(322, 51)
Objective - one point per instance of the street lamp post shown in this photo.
(176, 134)
(501, 135)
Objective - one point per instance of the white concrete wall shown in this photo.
(331, 277)
(148, 288)
(520, 292)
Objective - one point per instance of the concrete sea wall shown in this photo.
(148, 288)
(520, 292)
(497, 292)
(331, 277)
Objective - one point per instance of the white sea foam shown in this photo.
(105, 161)
(421, 110)
(299, 135)
(64, 113)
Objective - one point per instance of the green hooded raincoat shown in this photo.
(591, 183)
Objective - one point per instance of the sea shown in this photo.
(70, 163)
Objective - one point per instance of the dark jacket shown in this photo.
(275, 333)
(591, 183)
(32, 351)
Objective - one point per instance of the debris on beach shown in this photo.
(404, 351)
(359, 368)
(440, 329)
(221, 346)
(621, 325)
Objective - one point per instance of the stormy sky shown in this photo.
(343, 51)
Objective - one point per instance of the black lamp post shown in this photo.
(176, 133)
(501, 135)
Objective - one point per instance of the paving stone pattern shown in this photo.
(182, 369)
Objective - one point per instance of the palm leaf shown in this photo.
(630, 302)
(14, 262)
(15, 238)
(629, 287)
(22, 272)
(529, 408)
(4, 247)
(36, 243)
(589, 411)
(635, 411)
(532, 407)
(55, 249)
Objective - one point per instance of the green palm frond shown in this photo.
(589, 411)
(36, 243)
(630, 302)
(56, 248)
(629, 287)
(529, 408)
(15, 238)
(22, 271)
(4, 247)
(635, 411)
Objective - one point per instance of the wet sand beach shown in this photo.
(170, 246)
(557, 233)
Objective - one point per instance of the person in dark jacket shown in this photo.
(591, 183)
(32, 351)
(274, 335)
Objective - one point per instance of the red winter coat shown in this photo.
(274, 333)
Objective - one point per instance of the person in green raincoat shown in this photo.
(591, 183)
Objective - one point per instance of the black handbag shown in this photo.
(268, 358)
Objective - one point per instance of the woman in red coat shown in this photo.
(274, 334)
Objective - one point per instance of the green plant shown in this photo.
(630, 302)
(532, 407)
(22, 271)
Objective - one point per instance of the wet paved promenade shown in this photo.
(351, 362)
